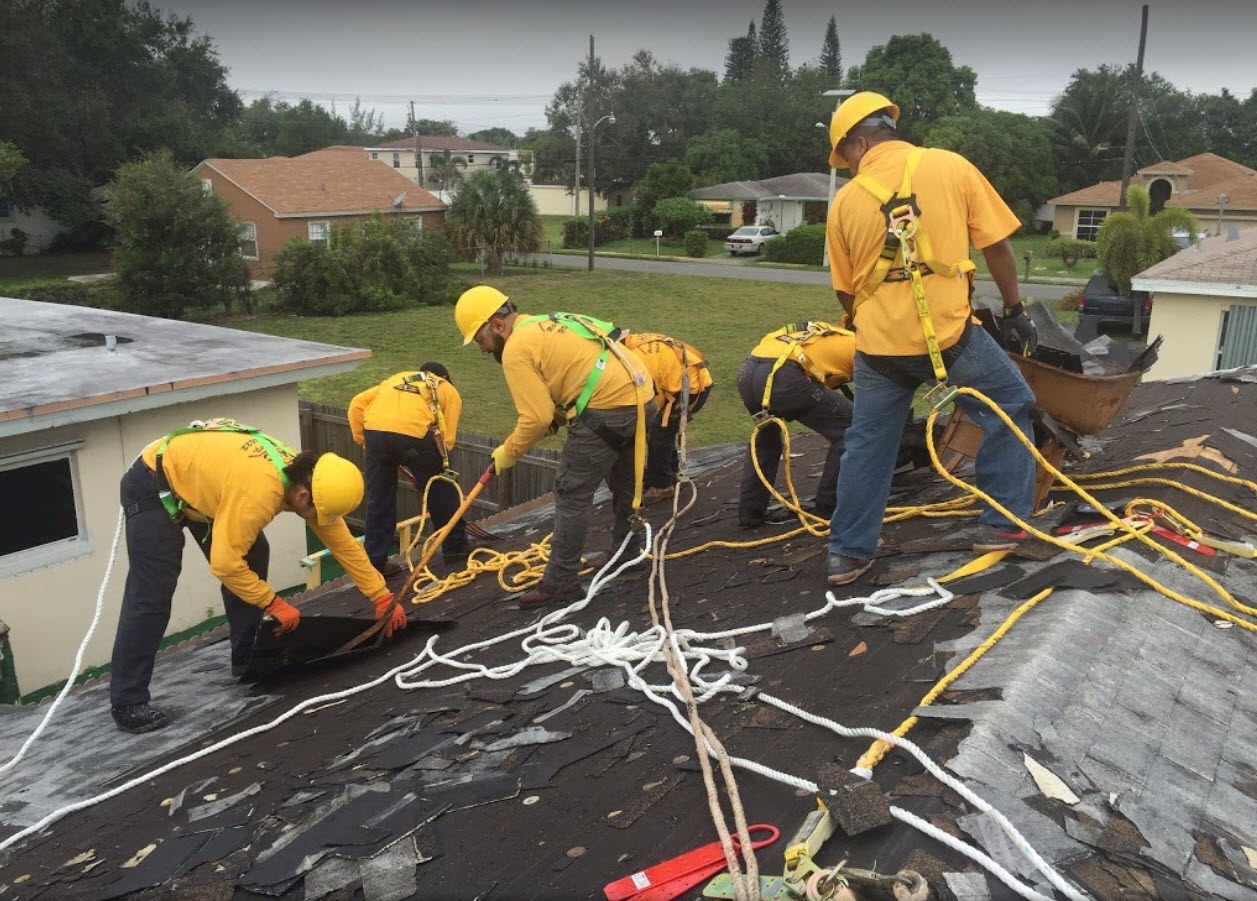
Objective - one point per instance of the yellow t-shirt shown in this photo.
(958, 208)
(661, 356)
(828, 359)
(228, 479)
(546, 365)
(388, 407)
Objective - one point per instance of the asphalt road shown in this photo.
(746, 272)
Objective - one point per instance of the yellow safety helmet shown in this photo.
(336, 488)
(474, 308)
(853, 111)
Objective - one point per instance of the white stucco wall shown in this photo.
(39, 227)
(1191, 324)
(48, 609)
(785, 214)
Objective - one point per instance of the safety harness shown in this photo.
(908, 243)
(796, 336)
(608, 336)
(275, 451)
(682, 351)
(426, 385)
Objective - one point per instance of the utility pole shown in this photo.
(1222, 202)
(576, 190)
(590, 130)
(414, 124)
(1128, 160)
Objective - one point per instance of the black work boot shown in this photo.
(139, 718)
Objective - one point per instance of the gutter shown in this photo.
(1176, 286)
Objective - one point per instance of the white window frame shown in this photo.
(375, 154)
(397, 160)
(245, 230)
(1093, 223)
(471, 159)
(63, 549)
(323, 226)
(207, 186)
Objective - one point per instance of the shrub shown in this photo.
(1071, 300)
(618, 224)
(719, 232)
(16, 243)
(805, 244)
(1054, 234)
(101, 294)
(1069, 250)
(575, 233)
(678, 215)
(696, 243)
(607, 227)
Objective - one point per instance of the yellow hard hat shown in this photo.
(474, 308)
(853, 111)
(336, 487)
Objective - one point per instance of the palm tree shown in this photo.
(494, 213)
(446, 170)
(1129, 242)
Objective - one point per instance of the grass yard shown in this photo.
(53, 265)
(1040, 265)
(552, 242)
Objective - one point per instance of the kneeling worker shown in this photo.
(566, 366)
(791, 374)
(410, 419)
(682, 384)
(223, 482)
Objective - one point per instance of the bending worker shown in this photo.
(408, 420)
(223, 482)
(682, 385)
(791, 375)
(566, 367)
(898, 237)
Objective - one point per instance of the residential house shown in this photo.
(784, 202)
(1206, 306)
(478, 156)
(82, 392)
(278, 198)
(559, 200)
(26, 231)
(1196, 184)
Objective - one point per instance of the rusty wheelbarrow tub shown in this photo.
(1083, 403)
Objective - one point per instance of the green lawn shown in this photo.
(53, 265)
(1040, 265)
(552, 241)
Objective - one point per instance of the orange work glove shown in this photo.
(288, 615)
(398, 618)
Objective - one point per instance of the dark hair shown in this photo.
(437, 369)
(301, 469)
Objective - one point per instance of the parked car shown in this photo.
(1101, 302)
(749, 239)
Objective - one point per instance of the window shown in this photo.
(417, 222)
(318, 232)
(471, 159)
(375, 154)
(4, 208)
(397, 160)
(1088, 224)
(248, 232)
(207, 186)
(43, 485)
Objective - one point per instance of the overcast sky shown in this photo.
(484, 63)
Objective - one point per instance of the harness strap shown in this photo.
(798, 335)
(426, 385)
(275, 449)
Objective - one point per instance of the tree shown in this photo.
(1229, 125)
(774, 46)
(554, 157)
(494, 214)
(445, 170)
(11, 160)
(1012, 150)
(670, 179)
(500, 137)
(741, 55)
(1129, 242)
(917, 73)
(306, 126)
(724, 155)
(831, 52)
(365, 126)
(434, 127)
(175, 245)
(677, 215)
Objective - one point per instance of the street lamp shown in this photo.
(609, 117)
(841, 94)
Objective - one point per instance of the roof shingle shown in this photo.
(1212, 261)
(325, 183)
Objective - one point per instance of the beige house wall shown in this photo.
(1065, 219)
(557, 200)
(48, 609)
(1191, 324)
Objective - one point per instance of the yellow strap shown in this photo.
(794, 351)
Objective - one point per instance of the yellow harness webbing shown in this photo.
(426, 385)
(810, 331)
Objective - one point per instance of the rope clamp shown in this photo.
(942, 393)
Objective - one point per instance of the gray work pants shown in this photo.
(599, 446)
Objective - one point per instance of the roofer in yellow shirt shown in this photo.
(410, 420)
(565, 368)
(223, 483)
(792, 374)
(898, 236)
(682, 383)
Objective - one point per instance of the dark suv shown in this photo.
(1100, 302)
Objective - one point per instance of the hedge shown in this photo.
(804, 244)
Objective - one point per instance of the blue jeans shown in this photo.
(1005, 469)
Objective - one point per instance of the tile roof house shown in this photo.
(1195, 184)
(1205, 305)
(278, 198)
(82, 392)
(401, 154)
(786, 200)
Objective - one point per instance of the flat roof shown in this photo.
(56, 365)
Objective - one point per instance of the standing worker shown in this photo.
(571, 368)
(791, 375)
(682, 385)
(223, 482)
(409, 420)
(898, 237)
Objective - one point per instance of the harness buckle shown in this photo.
(761, 416)
(940, 394)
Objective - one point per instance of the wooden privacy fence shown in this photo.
(326, 428)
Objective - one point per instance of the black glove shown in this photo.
(1020, 334)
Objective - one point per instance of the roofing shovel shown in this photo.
(319, 638)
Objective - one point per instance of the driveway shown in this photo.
(763, 274)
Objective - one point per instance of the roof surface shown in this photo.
(1213, 261)
(327, 183)
(54, 362)
(550, 782)
(1207, 172)
(799, 186)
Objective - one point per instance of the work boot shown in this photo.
(655, 495)
(389, 568)
(139, 718)
(238, 670)
(544, 594)
(599, 560)
(457, 556)
(998, 538)
(845, 570)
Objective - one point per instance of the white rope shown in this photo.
(78, 657)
